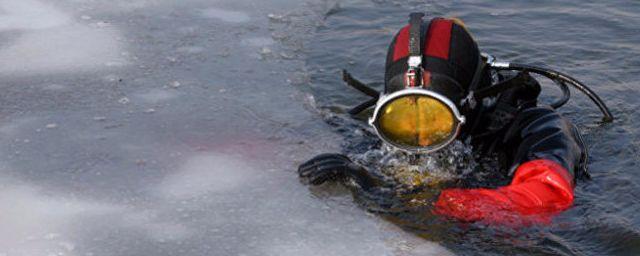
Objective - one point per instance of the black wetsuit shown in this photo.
(538, 148)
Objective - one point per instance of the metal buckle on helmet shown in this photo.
(414, 73)
(411, 78)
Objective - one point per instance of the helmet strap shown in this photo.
(413, 76)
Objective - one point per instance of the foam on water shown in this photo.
(454, 161)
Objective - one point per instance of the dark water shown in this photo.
(595, 41)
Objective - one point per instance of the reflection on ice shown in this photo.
(66, 48)
(156, 95)
(208, 174)
(159, 231)
(226, 15)
(29, 14)
(220, 202)
(42, 222)
(51, 42)
(36, 224)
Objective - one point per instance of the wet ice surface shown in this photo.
(43, 39)
(153, 127)
(165, 128)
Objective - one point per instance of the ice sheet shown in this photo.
(145, 128)
(50, 41)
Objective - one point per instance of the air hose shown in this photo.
(561, 79)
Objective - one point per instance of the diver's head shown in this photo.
(430, 70)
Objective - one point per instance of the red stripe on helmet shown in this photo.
(438, 39)
(401, 48)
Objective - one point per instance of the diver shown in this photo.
(439, 88)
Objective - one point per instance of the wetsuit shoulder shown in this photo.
(518, 129)
(543, 133)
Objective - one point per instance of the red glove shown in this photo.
(540, 188)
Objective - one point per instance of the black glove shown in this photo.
(334, 166)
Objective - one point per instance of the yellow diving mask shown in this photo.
(416, 120)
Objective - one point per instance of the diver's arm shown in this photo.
(546, 151)
(326, 167)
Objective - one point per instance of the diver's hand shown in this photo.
(334, 166)
(325, 167)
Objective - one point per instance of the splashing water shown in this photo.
(412, 181)
(413, 170)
